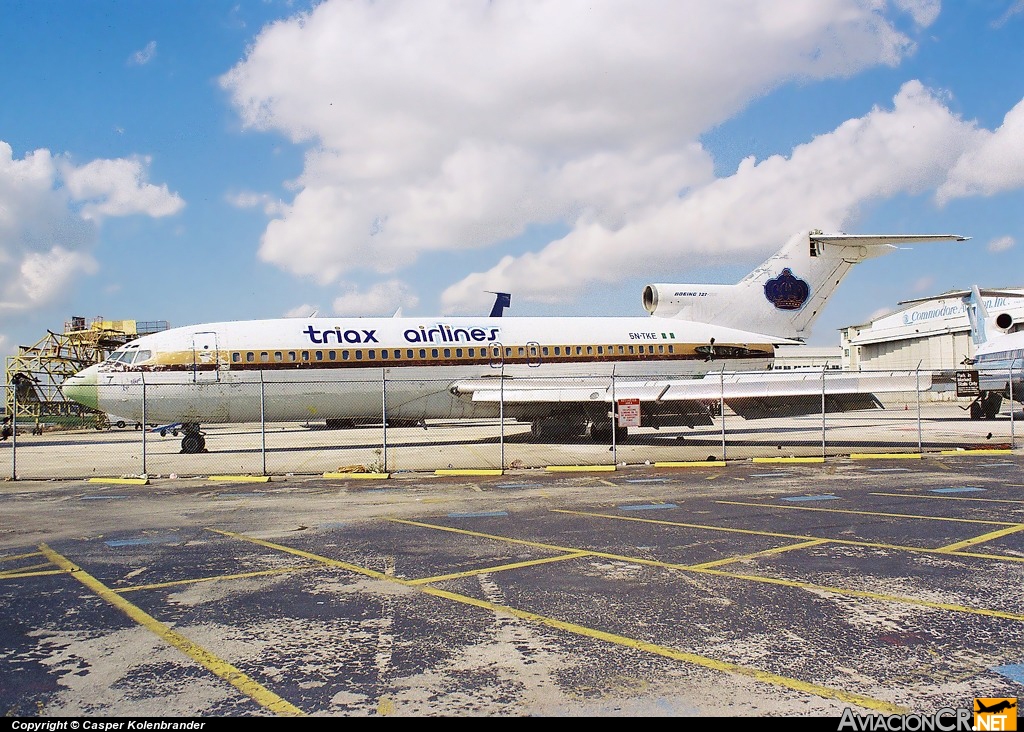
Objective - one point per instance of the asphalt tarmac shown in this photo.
(880, 585)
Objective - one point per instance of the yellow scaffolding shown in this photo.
(35, 375)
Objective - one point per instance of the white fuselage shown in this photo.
(343, 368)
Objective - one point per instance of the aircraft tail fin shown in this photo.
(785, 295)
(978, 316)
(502, 300)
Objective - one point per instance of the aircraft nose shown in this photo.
(81, 387)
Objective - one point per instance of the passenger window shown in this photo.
(371, 354)
(423, 353)
(433, 353)
(447, 353)
(384, 353)
(250, 357)
(291, 355)
(409, 353)
(344, 355)
(264, 357)
(319, 355)
(305, 355)
(236, 356)
(590, 350)
(600, 350)
(332, 355)
(558, 350)
(359, 355)
(278, 356)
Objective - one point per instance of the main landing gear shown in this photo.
(987, 405)
(193, 440)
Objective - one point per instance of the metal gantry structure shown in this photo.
(35, 375)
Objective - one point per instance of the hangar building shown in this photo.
(930, 333)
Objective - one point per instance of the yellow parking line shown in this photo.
(755, 555)
(1015, 501)
(466, 471)
(218, 666)
(579, 468)
(691, 464)
(977, 452)
(370, 476)
(704, 661)
(896, 455)
(983, 538)
(218, 578)
(498, 568)
(789, 460)
(242, 478)
(12, 557)
(870, 513)
(796, 537)
(120, 481)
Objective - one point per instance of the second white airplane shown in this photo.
(701, 347)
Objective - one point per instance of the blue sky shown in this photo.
(198, 160)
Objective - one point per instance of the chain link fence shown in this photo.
(921, 413)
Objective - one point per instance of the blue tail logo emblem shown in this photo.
(787, 292)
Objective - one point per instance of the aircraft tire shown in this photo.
(976, 410)
(120, 424)
(192, 444)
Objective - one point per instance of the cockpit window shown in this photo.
(143, 356)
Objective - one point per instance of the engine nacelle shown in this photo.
(1003, 321)
(696, 301)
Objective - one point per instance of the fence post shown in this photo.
(384, 419)
(823, 371)
(1013, 436)
(917, 376)
(501, 412)
(14, 433)
(263, 422)
(614, 421)
(721, 407)
(142, 374)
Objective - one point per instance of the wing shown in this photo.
(697, 401)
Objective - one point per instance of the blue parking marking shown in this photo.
(649, 507)
(140, 542)
(101, 498)
(964, 489)
(995, 465)
(811, 498)
(1014, 672)
(482, 514)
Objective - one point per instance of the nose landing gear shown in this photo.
(193, 441)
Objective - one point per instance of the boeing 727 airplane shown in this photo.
(700, 346)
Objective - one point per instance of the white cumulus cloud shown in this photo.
(454, 125)
(382, 298)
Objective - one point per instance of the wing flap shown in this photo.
(746, 392)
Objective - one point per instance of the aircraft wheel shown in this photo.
(192, 443)
(120, 424)
(976, 411)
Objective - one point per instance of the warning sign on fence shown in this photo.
(967, 384)
(629, 412)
